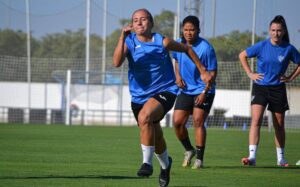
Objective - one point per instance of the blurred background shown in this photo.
(56, 56)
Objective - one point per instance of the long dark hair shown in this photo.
(279, 19)
(193, 20)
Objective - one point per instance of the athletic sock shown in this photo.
(280, 153)
(163, 159)
(200, 152)
(187, 144)
(252, 151)
(147, 153)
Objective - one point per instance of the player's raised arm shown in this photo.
(121, 49)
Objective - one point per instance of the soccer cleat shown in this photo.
(164, 176)
(249, 162)
(188, 155)
(282, 163)
(145, 171)
(198, 164)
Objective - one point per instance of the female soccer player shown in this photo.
(195, 96)
(152, 85)
(273, 57)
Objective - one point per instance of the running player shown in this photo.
(151, 85)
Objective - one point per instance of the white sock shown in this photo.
(280, 153)
(252, 152)
(147, 153)
(163, 159)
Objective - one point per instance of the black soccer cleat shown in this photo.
(164, 176)
(145, 171)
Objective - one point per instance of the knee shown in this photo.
(144, 119)
(198, 122)
(255, 123)
(177, 123)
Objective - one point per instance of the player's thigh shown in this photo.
(257, 111)
(152, 109)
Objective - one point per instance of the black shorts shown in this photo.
(166, 99)
(187, 102)
(273, 96)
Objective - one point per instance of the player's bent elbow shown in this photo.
(243, 55)
(117, 62)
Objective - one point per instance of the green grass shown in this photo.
(56, 155)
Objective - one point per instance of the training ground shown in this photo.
(58, 155)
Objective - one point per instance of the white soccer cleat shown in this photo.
(188, 155)
(298, 163)
(198, 164)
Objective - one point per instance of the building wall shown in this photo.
(112, 99)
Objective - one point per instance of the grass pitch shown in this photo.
(57, 155)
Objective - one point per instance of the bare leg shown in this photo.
(199, 117)
(151, 133)
(160, 143)
(254, 133)
(180, 117)
(278, 123)
(152, 111)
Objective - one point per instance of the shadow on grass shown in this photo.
(189, 186)
(72, 177)
(252, 167)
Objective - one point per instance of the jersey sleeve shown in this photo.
(295, 56)
(211, 59)
(254, 50)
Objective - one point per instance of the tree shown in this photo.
(164, 23)
(13, 43)
(227, 49)
(229, 46)
(67, 45)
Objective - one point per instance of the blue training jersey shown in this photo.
(188, 70)
(150, 68)
(272, 60)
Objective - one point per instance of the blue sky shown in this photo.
(52, 16)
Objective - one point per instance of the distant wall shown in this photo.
(116, 98)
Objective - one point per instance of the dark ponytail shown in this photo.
(279, 19)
